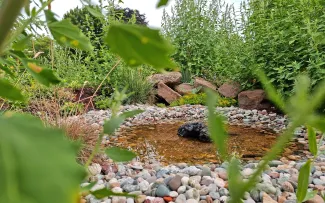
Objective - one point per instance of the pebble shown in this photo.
(162, 191)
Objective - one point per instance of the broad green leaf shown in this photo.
(139, 45)
(310, 194)
(120, 155)
(112, 124)
(235, 181)
(67, 34)
(22, 43)
(35, 161)
(102, 193)
(8, 91)
(43, 75)
(95, 12)
(216, 125)
(312, 140)
(303, 181)
(6, 69)
(162, 3)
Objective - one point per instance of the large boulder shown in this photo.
(169, 78)
(230, 90)
(196, 130)
(200, 82)
(251, 99)
(167, 93)
(184, 88)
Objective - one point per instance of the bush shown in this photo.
(288, 39)
(200, 99)
(138, 87)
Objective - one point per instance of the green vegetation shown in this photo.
(200, 99)
(281, 38)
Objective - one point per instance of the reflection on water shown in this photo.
(160, 143)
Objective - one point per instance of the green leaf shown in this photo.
(67, 34)
(312, 141)
(235, 180)
(6, 70)
(310, 194)
(29, 152)
(273, 95)
(112, 124)
(43, 75)
(120, 155)
(303, 181)
(22, 43)
(102, 193)
(8, 91)
(216, 125)
(162, 3)
(95, 12)
(139, 45)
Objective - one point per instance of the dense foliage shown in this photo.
(200, 99)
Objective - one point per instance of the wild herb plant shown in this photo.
(29, 151)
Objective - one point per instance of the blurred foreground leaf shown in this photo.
(120, 155)
(162, 3)
(67, 34)
(37, 164)
(139, 45)
(100, 194)
(216, 125)
(303, 181)
(8, 91)
(312, 142)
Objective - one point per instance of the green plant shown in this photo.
(70, 108)
(161, 105)
(186, 75)
(135, 80)
(200, 99)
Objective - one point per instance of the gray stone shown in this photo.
(249, 201)
(223, 192)
(181, 189)
(192, 170)
(162, 191)
(144, 186)
(206, 171)
(175, 183)
(193, 194)
(214, 195)
(180, 199)
(131, 188)
(268, 188)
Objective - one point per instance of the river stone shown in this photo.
(287, 186)
(129, 200)
(194, 180)
(175, 183)
(318, 181)
(181, 189)
(140, 199)
(255, 195)
(144, 186)
(162, 191)
(185, 180)
(206, 171)
(158, 200)
(161, 173)
(193, 194)
(316, 199)
(131, 188)
(268, 199)
(173, 194)
(212, 188)
(214, 195)
(249, 201)
(180, 199)
(204, 190)
(192, 201)
(265, 187)
(223, 192)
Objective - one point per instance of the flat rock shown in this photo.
(200, 82)
(167, 93)
(169, 78)
(251, 99)
(184, 88)
(230, 90)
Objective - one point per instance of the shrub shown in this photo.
(135, 80)
(195, 99)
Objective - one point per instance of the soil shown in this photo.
(160, 143)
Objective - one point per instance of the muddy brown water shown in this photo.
(160, 143)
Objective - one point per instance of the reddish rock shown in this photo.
(168, 199)
(230, 90)
(251, 99)
(167, 93)
(169, 78)
(200, 82)
(316, 199)
(209, 199)
(281, 199)
(184, 88)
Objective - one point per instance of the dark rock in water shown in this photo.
(197, 130)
